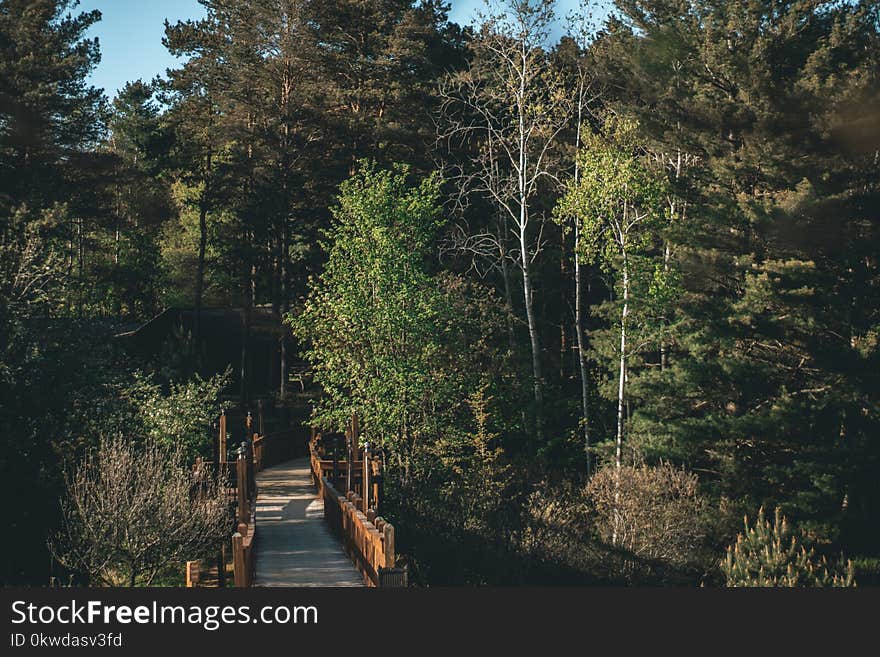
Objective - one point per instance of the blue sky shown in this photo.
(131, 31)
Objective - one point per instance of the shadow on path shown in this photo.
(294, 546)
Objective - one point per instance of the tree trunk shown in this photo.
(81, 260)
(621, 387)
(563, 332)
(578, 313)
(282, 387)
(663, 354)
(621, 396)
(248, 300)
(200, 266)
(667, 254)
(534, 338)
(200, 275)
(581, 349)
(508, 295)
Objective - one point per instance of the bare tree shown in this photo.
(130, 512)
(509, 107)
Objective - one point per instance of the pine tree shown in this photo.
(770, 354)
(382, 61)
(772, 554)
(48, 110)
(139, 201)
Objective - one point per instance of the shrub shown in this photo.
(131, 512)
(773, 554)
(653, 512)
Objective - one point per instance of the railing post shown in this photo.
(242, 482)
(192, 574)
(222, 447)
(365, 485)
(349, 458)
(221, 566)
(335, 461)
(388, 547)
(238, 565)
(377, 481)
(249, 447)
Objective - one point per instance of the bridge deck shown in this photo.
(294, 546)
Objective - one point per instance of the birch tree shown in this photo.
(619, 205)
(585, 92)
(511, 107)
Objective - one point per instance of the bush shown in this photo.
(653, 512)
(556, 531)
(131, 512)
(773, 554)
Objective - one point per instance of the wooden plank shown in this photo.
(296, 545)
(193, 574)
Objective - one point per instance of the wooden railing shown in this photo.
(238, 483)
(259, 447)
(368, 539)
(343, 477)
(244, 539)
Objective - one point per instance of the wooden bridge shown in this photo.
(293, 526)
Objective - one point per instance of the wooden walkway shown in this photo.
(294, 547)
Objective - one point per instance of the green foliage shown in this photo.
(620, 205)
(618, 200)
(183, 417)
(179, 252)
(49, 111)
(764, 386)
(385, 335)
(474, 474)
(371, 318)
(463, 487)
(415, 354)
(725, 205)
(773, 554)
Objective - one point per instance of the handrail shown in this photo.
(236, 479)
(367, 539)
(244, 539)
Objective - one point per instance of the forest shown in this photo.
(607, 304)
